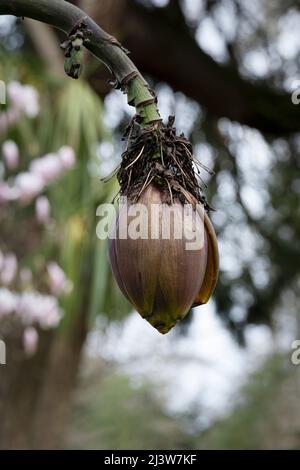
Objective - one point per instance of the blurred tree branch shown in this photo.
(66, 17)
(172, 55)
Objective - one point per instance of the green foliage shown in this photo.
(71, 114)
(84, 257)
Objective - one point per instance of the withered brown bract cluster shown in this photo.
(157, 154)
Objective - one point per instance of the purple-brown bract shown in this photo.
(159, 276)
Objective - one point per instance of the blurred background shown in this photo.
(82, 370)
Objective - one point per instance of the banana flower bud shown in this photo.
(162, 258)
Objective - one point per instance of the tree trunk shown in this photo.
(20, 382)
(36, 393)
(55, 399)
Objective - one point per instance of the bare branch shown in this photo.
(64, 16)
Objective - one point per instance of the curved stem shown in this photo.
(64, 16)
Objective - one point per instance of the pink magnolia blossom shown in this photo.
(67, 157)
(30, 340)
(57, 278)
(31, 308)
(34, 307)
(48, 167)
(29, 186)
(15, 93)
(10, 152)
(31, 101)
(8, 193)
(8, 302)
(24, 98)
(42, 209)
(9, 269)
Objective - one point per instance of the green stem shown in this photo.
(142, 98)
(63, 15)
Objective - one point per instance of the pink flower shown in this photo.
(29, 185)
(9, 269)
(48, 167)
(34, 307)
(23, 98)
(57, 277)
(10, 152)
(42, 209)
(8, 302)
(67, 157)
(31, 101)
(15, 93)
(30, 340)
(7, 193)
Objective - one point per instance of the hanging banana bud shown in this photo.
(160, 271)
(166, 275)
